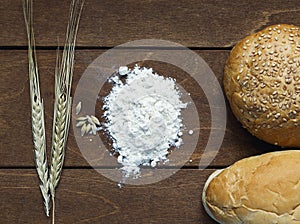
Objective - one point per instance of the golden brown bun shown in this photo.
(262, 84)
(257, 190)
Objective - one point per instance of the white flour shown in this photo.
(143, 118)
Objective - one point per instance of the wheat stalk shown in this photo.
(37, 109)
(63, 100)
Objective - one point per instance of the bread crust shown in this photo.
(262, 84)
(262, 189)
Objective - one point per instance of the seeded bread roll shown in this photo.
(262, 84)
(257, 190)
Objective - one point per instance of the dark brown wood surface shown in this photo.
(210, 28)
(193, 23)
(84, 196)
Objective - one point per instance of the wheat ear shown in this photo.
(37, 109)
(63, 100)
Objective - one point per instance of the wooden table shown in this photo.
(208, 27)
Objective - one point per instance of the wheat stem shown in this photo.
(53, 210)
(63, 100)
(37, 110)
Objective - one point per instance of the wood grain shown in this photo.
(16, 138)
(84, 196)
(204, 23)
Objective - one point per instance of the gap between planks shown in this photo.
(125, 48)
(113, 167)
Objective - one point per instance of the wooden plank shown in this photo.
(203, 23)
(16, 139)
(84, 196)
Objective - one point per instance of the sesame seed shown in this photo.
(288, 80)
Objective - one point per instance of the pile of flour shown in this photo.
(143, 118)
